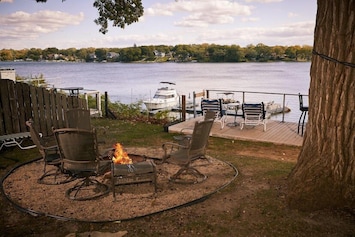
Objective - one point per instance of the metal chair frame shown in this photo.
(184, 154)
(304, 111)
(253, 114)
(79, 152)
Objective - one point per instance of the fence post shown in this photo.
(183, 107)
(283, 108)
(106, 104)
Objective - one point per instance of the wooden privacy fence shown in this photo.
(47, 107)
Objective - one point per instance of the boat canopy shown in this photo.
(166, 82)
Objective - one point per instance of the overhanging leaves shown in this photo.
(120, 12)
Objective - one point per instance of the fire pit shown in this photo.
(131, 169)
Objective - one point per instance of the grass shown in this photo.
(253, 205)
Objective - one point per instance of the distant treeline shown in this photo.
(163, 53)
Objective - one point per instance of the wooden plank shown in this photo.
(3, 104)
(83, 104)
(11, 117)
(54, 106)
(35, 107)
(62, 107)
(277, 132)
(21, 107)
(42, 118)
(12, 96)
(200, 94)
(47, 112)
(27, 100)
(70, 102)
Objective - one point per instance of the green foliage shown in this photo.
(120, 12)
(126, 111)
(161, 53)
(133, 113)
(36, 80)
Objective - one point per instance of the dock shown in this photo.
(277, 132)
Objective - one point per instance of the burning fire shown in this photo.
(120, 156)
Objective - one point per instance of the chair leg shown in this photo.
(223, 120)
(55, 177)
(98, 189)
(299, 122)
(304, 117)
(188, 171)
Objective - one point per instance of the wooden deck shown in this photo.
(276, 132)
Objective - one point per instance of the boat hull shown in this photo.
(160, 105)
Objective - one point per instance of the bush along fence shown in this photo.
(47, 107)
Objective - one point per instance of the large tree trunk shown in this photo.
(324, 176)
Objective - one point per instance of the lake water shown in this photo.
(131, 82)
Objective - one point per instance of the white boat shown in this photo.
(164, 98)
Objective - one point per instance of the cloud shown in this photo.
(290, 34)
(292, 14)
(250, 19)
(25, 25)
(200, 13)
(6, 1)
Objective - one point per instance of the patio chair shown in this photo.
(184, 138)
(50, 153)
(78, 118)
(304, 111)
(79, 152)
(184, 155)
(253, 114)
(215, 106)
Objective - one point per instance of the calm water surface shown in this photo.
(131, 82)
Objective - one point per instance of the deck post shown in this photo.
(283, 108)
(183, 107)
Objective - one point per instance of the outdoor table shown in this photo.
(73, 91)
(232, 109)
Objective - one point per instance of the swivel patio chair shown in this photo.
(184, 155)
(79, 152)
(253, 115)
(186, 136)
(304, 111)
(50, 154)
(215, 106)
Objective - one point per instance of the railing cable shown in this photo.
(333, 59)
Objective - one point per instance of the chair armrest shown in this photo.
(170, 147)
(51, 149)
(54, 147)
(183, 140)
(173, 145)
(107, 154)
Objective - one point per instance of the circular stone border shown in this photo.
(38, 213)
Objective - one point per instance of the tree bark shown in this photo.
(324, 176)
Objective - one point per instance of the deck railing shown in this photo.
(288, 100)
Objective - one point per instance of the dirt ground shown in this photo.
(131, 201)
(243, 208)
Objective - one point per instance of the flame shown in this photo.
(120, 156)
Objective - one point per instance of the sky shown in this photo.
(70, 24)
